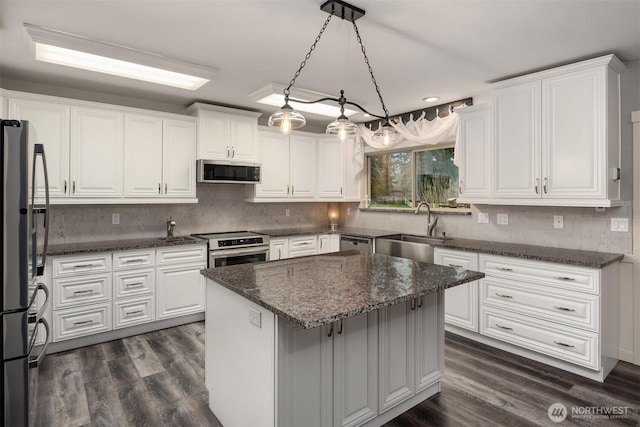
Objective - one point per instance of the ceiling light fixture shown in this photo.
(288, 119)
(431, 98)
(62, 48)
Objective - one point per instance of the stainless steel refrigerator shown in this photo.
(24, 297)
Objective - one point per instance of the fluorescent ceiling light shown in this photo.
(431, 99)
(272, 94)
(61, 48)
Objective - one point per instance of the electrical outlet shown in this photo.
(115, 218)
(558, 221)
(620, 224)
(483, 218)
(503, 219)
(255, 317)
(287, 212)
(348, 211)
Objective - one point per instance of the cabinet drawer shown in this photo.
(131, 283)
(303, 242)
(81, 321)
(456, 259)
(181, 254)
(302, 252)
(131, 312)
(567, 308)
(558, 276)
(565, 343)
(74, 291)
(134, 259)
(82, 264)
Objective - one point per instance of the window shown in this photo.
(403, 179)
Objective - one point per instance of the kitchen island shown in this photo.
(346, 338)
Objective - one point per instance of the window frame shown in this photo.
(413, 151)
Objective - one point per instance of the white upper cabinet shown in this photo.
(49, 124)
(225, 133)
(330, 167)
(474, 155)
(273, 149)
(302, 165)
(556, 136)
(142, 156)
(178, 153)
(97, 141)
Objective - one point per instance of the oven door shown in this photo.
(221, 258)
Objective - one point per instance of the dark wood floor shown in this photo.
(157, 379)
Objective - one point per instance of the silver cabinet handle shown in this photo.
(292, 190)
(460, 186)
(504, 296)
(570, 279)
(420, 301)
(279, 254)
(134, 260)
(65, 187)
(159, 188)
(561, 344)
(413, 304)
(83, 266)
(340, 327)
(87, 291)
(228, 151)
(320, 243)
(503, 269)
(537, 182)
(131, 313)
(84, 322)
(287, 189)
(165, 188)
(545, 185)
(74, 186)
(330, 330)
(455, 265)
(506, 328)
(563, 308)
(134, 285)
(233, 152)
(341, 191)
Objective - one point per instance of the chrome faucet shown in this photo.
(430, 225)
(170, 226)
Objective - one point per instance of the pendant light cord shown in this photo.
(308, 55)
(373, 79)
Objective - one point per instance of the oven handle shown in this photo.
(248, 251)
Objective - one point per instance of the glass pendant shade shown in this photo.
(287, 119)
(343, 127)
(387, 135)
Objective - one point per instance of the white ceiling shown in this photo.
(448, 48)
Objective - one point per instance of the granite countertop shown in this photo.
(540, 253)
(299, 231)
(120, 245)
(319, 289)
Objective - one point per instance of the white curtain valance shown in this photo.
(440, 130)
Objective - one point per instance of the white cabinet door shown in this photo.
(396, 354)
(303, 163)
(474, 154)
(355, 358)
(516, 134)
(274, 157)
(179, 158)
(334, 241)
(49, 124)
(461, 302)
(278, 249)
(574, 135)
(330, 168)
(180, 290)
(142, 156)
(324, 243)
(429, 344)
(244, 136)
(97, 140)
(212, 135)
(352, 177)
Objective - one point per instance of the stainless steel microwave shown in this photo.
(219, 171)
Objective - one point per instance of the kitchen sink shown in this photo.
(179, 239)
(419, 248)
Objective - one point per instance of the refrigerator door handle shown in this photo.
(34, 361)
(36, 316)
(38, 150)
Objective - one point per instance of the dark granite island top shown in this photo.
(320, 289)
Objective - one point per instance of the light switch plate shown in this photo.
(255, 317)
(503, 219)
(287, 212)
(483, 218)
(620, 224)
(115, 219)
(558, 221)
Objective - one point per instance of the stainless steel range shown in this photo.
(238, 247)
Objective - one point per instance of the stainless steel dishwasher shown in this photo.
(363, 244)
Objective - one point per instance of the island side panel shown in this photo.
(239, 359)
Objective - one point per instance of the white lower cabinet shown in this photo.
(180, 288)
(461, 302)
(101, 292)
(297, 246)
(278, 249)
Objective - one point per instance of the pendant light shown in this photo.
(288, 119)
